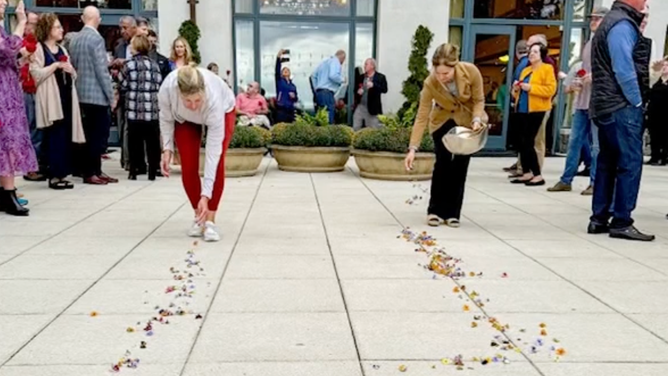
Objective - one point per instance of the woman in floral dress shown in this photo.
(17, 155)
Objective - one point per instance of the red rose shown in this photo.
(30, 43)
(581, 73)
(63, 59)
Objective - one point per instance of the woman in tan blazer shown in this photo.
(56, 101)
(452, 96)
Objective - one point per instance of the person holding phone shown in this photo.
(286, 90)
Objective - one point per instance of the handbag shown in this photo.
(462, 140)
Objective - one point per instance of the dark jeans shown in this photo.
(285, 115)
(448, 179)
(36, 134)
(529, 126)
(619, 166)
(58, 140)
(142, 133)
(96, 122)
(325, 99)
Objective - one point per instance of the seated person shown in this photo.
(252, 108)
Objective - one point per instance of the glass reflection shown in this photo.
(244, 53)
(324, 39)
(102, 4)
(306, 7)
(519, 9)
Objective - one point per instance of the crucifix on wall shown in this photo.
(193, 10)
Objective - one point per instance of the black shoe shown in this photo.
(630, 233)
(535, 183)
(596, 228)
(586, 173)
(652, 162)
(132, 176)
(9, 204)
(151, 175)
(511, 168)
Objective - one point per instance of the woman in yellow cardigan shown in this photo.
(452, 96)
(533, 93)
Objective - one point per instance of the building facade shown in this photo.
(244, 37)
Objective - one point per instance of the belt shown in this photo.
(318, 90)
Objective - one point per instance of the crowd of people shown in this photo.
(612, 88)
(60, 104)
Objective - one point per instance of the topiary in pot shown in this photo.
(245, 152)
(250, 138)
(311, 145)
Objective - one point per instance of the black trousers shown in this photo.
(144, 139)
(96, 122)
(285, 115)
(58, 141)
(529, 126)
(448, 179)
(658, 138)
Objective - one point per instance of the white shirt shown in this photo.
(219, 100)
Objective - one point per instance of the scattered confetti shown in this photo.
(561, 352)
(466, 308)
(403, 368)
(94, 314)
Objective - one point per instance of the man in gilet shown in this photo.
(620, 70)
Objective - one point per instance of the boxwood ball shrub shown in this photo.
(249, 138)
(309, 135)
(389, 139)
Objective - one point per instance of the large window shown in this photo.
(312, 30)
(102, 4)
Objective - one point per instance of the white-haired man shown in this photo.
(370, 86)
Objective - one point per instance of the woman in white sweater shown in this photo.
(189, 99)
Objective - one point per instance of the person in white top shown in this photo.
(189, 99)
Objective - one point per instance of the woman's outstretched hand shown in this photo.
(410, 158)
(166, 162)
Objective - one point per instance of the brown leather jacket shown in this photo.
(437, 105)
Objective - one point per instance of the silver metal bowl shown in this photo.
(465, 141)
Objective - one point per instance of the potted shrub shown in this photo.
(310, 144)
(379, 153)
(245, 153)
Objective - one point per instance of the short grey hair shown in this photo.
(340, 53)
(542, 39)
(521, 47)
(141, 21)
(130, 19)
(372, 61)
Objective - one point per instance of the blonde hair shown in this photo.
(140, 44)
(190, 80)
(188, 57)
(445, 54)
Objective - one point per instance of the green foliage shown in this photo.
(404, 120)
(311, 135)
(190, 31)
(389, 139)
(417, 66)
(250, 138)
(320, 119)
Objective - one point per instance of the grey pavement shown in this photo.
(311, 279)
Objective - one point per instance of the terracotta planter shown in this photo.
(390, 166)
(238, 162)
(311, 159)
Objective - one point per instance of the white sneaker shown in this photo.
(196, 231)
(211, 232)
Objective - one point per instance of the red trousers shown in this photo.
(188, 138)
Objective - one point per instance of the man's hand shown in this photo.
(369, 84)
(202, 210)
(360, 91)
(166, 162)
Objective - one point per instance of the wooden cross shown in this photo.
(193, 10)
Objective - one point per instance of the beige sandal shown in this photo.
(453, 222)
(433, 220)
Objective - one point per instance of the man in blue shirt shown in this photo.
(620, 62)
(326, 81)
(512, 139)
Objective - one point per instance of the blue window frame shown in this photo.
(254, 35)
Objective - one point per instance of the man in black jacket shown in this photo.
(369, 87)
(162, 60)
(620, 78)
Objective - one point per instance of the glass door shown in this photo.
(492, 50)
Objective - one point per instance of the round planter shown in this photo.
(390, 166)
(238, 162)
(311, 159)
